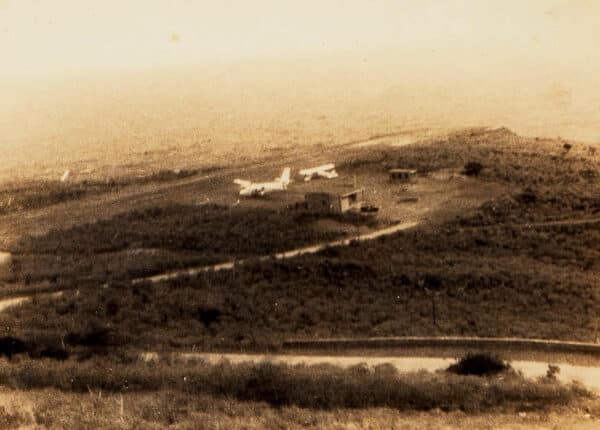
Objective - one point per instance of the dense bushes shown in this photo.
(487, 279)
(11, 346)
(539, 204)
(319, 387)
(477, 276)
(145, 242)
(216, 231)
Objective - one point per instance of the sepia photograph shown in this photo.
(317, 214)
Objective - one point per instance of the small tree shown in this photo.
(552, 371)
(528, 196)
(431, 284)
(479, 364)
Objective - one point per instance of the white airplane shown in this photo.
(253, 189)
(325, 171)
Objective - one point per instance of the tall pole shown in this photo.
(433, 310)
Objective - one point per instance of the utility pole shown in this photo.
(433, 307)
(433, 310)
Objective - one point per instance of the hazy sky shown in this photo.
(57, 37)
(291, 71)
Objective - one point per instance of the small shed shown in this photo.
(327, 202)
(403, 175)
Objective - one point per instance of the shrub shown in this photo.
(54, 352)
(479, 364)
(208, 316)
(528, 196)
(93, 336)
(432, 281)
(552, 371)
(473, 168)
(10, 346)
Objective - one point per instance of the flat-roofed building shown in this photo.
(328, 202)
(402, 175)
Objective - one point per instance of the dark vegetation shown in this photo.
(479, 364)
(317, 387)
(491, 272)
(144, 242)
(538, 205)
(507, 158)
(11, 346)
(487, 277)
(523, 286)
(38, 194)
(218, 232)
(473, 168)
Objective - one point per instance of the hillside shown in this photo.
(504, 268)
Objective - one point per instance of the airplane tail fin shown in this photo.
(285, 176)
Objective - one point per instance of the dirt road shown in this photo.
(565, 222)
(16, 301)
(281, 255)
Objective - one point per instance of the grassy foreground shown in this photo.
(314, 387)
(130, 394)
(53, 409)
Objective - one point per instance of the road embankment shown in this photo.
(475, 343)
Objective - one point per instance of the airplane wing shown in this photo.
(318, 169)
(329, 174)
(242, 183)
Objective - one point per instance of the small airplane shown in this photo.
(325, 171)
(254, 189)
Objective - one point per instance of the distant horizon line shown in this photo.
(392, 53)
